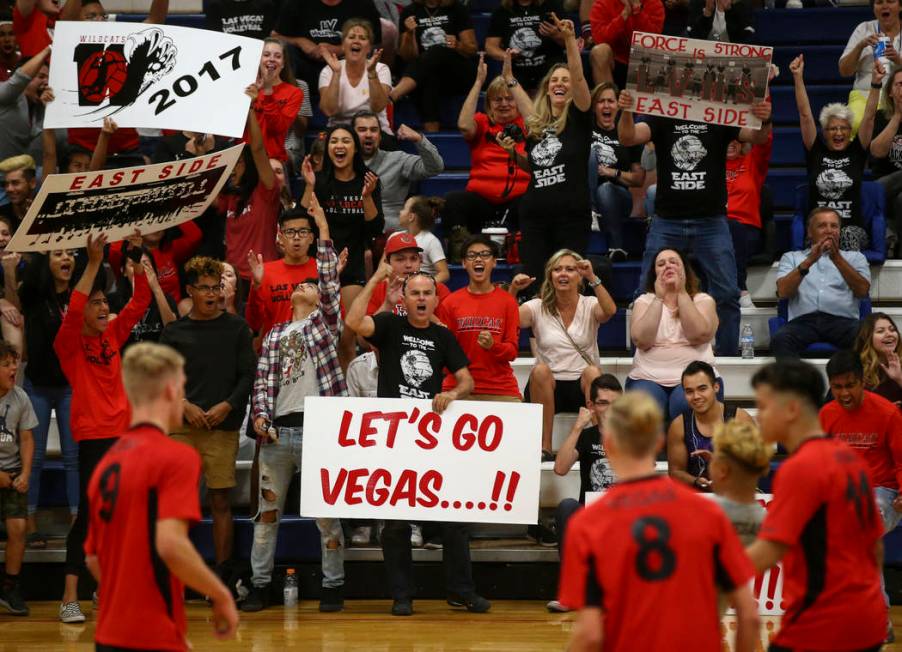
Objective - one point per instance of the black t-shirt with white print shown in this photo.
(251, 18)
(834, 179)
(691, 165)
(518, 28)
(559, 164)
(892, 162)
(320, 23)
(433, 25)
(595, 472)
(412, 360)
(611, 153)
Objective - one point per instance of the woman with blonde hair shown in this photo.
(880, 347)
(564, 324)
(553, 214)
(886, 155)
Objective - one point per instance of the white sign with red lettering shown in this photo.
(151, 198)
(478, 462)
(692, 79)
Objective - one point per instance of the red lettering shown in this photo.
(430, 483)
(117, 178)
(97, 182)
(378, 496)
(739, 50)
(77, 182)
(464, 441)
(197, 165)
(393, 418)
(354, 486)
(165, 172)
(726, 116)
(406, 489)
(343, 439)
(659, 42)
(367, 430)
(330, 491)
(429, 440)
(213, 161)
(137, 173)
(494, 423)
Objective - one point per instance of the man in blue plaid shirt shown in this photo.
(299, 358)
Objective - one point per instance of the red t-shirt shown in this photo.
(745, 176)
(270, 304)
(276, 113)
(167, 258)
(254, 229)
(608, 25)
(466, 314)
(93, 367)
(824, 510)
(144, 478)
(652, 554)
(491, 168)
(33, 32)
(378, 299)
(124, 140)
(875, 431)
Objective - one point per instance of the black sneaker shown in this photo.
(257, 599)
(402, 608)
(541, 535)
(332, 599)
(474, 603)
(11, 600)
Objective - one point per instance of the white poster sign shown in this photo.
(478, 462)
(116, 202)
(692, 79)
(153, 76)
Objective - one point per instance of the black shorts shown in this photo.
(780, 648)
(100, 647)
(568, 396)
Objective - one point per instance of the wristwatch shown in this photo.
(803, 271)
(595, 282)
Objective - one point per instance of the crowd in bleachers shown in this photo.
(283, 287)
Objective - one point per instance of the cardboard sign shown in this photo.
(153, 76)
(478, 462)
(116, 202)
(692, 79)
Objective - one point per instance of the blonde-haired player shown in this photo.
(651, 541)
(142, 497)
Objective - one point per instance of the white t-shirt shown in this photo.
(363, 375)
(866, 60)
(432, 250)
(353, 99)
(554, 348)
(297, 374)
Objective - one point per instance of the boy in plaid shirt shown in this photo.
(299, 358)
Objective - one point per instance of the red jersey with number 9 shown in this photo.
(144, 478)
(824, 510)
(652, 554)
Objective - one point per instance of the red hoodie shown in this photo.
(608, 25)
(276, 113)
(93, 366)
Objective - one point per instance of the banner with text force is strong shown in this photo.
(478, 462)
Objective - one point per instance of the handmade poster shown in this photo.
(478, 462)
(152, 76)
(692, 79)
(116, 202)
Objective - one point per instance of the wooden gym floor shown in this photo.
(517, 626)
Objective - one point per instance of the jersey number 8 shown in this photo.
(655, 560)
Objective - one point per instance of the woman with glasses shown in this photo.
(836, 161)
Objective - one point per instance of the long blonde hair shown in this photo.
(546, 292)
(542, 117)
(864, 347)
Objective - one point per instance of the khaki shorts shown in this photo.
(493, 397)
(218, 451)
(13, 504)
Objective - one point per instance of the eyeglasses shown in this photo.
(208, 289)
(473, 255)
(415, 274)
(296, 233)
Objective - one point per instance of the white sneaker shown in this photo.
(70, 612)
(745, 300)
(794, 4)
(361, 536)
(556, 607)
(416, 536)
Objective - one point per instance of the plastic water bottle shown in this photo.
(290, 592)
(747, 341)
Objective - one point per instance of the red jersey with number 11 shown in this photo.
(824, 510)
(652, 555)
(144, 478)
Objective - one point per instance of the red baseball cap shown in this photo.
(400, 242)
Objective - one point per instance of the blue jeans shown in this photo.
(278, 461)
(708, 239)
(613, 201)
(671, 400)
(884, 496)
(45, 399)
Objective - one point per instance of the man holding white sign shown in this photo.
(414, 352)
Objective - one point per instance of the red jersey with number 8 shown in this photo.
(652, 554)
(824, 510)
(144, 478)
